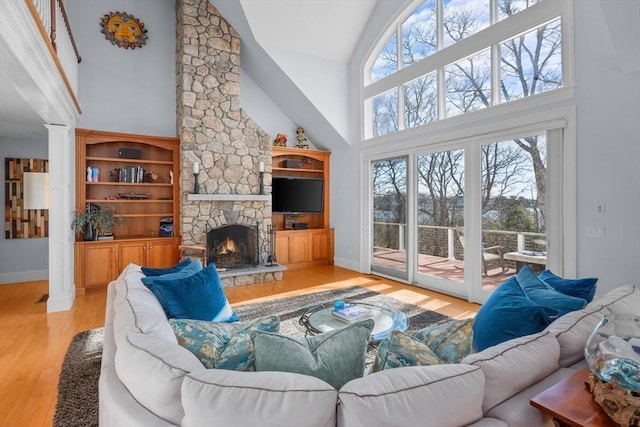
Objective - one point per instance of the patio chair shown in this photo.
(491, 255)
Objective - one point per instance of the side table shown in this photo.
(570, 403)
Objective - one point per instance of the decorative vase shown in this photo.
(90, 233)
(613, 350)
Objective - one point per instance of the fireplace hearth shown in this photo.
(233, 246)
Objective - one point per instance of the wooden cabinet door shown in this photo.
(161, 253)
(100, 263)
(299, 247)
(320, 245)
(282, 248)
(132, 252)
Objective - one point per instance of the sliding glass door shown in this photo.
(440, 221)
(389, 217)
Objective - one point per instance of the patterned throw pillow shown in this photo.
(336, 356)
(450, 341)
(222, 345)
(399, 349)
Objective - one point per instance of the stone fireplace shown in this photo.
(233, 246)
(221, 138)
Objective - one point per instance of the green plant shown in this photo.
(102, 220)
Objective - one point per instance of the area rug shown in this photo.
(290, 309)
(77, 404)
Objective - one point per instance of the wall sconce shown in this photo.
(36, 190)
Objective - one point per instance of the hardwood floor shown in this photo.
(33, 343)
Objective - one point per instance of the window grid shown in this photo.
(441, 101)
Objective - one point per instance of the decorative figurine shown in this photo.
(171, 177)
(89, 174)
(303, 141)
(281, 140)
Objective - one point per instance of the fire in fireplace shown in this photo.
(233, 246)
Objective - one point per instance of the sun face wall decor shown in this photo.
(124, 30)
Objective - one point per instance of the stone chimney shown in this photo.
(215, 132)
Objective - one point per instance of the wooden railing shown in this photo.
(55, 25)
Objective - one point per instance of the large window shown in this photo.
(469, 143)
(451, 57)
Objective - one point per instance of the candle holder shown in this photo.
(261, 182)
(196, 185)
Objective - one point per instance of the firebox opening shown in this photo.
(233, 246)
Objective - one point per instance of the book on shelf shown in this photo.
(351, 313)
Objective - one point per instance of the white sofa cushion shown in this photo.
(622, 300)
(152, 369)
(137, 309)
(514, 365)
(517, 411)
(230, 398)
(572, 331)
(443, 395)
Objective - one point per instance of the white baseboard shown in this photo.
(23, 276)
(62, 302)
(347, 263)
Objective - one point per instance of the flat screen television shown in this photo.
(297, 195)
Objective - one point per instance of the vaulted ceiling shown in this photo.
(326, 29)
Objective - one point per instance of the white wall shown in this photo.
(22, 260)
(608, 150)
(263, 110)
(125, 90)
(608, 144)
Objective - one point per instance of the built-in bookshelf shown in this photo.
(136, 175)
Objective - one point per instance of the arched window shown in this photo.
(469, 136)
(450, 57)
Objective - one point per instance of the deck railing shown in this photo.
(55, 25)
(442, 242)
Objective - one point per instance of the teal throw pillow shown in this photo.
(336, 357)
(151, 271)
(508, 313)
(186, 271)
(399, 349)
(584, 288)
(221, 345)
(450, 341)
(199, 296)
(543, 294)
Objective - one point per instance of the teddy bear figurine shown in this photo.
(303, 141)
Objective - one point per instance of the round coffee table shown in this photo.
(318, 318)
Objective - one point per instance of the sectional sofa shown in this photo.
(148, 379)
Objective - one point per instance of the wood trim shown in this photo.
(52, 52)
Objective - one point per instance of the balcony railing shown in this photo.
(51, 17)
(442, 242)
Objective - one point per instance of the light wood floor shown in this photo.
(33, 343)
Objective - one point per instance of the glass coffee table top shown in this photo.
(318, 318)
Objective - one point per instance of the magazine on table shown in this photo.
(351, 313)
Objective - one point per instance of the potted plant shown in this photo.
(94, 221)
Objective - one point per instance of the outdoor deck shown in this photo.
(442, 267)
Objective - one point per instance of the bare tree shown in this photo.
(530, 64)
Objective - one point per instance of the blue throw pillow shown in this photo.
(198, 296)
(508, 313)
(543, 294)
(584, 288)
(150, 271)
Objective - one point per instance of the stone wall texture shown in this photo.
(214, 130)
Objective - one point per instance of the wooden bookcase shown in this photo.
(143, 200)
(313, 246)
